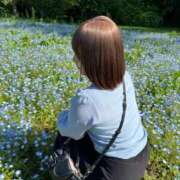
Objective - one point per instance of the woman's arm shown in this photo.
(76, 121)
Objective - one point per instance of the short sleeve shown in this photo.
(79, 118)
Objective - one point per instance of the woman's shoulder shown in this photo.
(82, 96)
(88, 96)
(84, 101)
(129, 80)
(127, 75)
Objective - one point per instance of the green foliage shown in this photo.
(3, 8)
(135, 54)
(89, 8)
(149, 18)
(135, 13)
(128, 12)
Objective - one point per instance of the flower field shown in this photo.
(38, 78)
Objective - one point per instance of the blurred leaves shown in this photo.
(128, 12)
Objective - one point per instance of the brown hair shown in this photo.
(98, 45)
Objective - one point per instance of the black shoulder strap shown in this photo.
(90, 169)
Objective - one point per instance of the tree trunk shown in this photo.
(14, 8)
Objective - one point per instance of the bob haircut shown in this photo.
(98, 45)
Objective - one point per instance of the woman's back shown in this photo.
(108, 107)
(97, 109)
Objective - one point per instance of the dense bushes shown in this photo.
(135, 12)
(3, 9)
(128, 12)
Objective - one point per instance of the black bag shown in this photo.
(61, 165)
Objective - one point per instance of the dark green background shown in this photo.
(125, 12)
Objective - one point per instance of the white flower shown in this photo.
(18, 172)
(2, 177)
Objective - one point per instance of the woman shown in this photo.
(95, 111)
